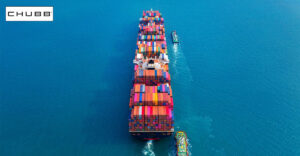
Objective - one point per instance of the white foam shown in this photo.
(148, 149)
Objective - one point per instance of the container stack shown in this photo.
(137, 118)
(143, 95)
(151, 77)
(151, 118)
(151, 98)
(151, 46)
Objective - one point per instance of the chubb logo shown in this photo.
(29, 13)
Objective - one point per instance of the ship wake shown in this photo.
(180, 65)
(189, 147)
(148, 149)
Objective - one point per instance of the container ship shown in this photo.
(151, 102)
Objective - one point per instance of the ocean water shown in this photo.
(64, 86)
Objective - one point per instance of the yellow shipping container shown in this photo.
(155, 98)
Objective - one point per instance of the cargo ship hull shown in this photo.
(151, 99)
(151, 135)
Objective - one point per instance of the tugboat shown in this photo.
(174, 37)
(181, 143)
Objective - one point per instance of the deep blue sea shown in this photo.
(64, 85)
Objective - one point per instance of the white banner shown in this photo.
(32, 13)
